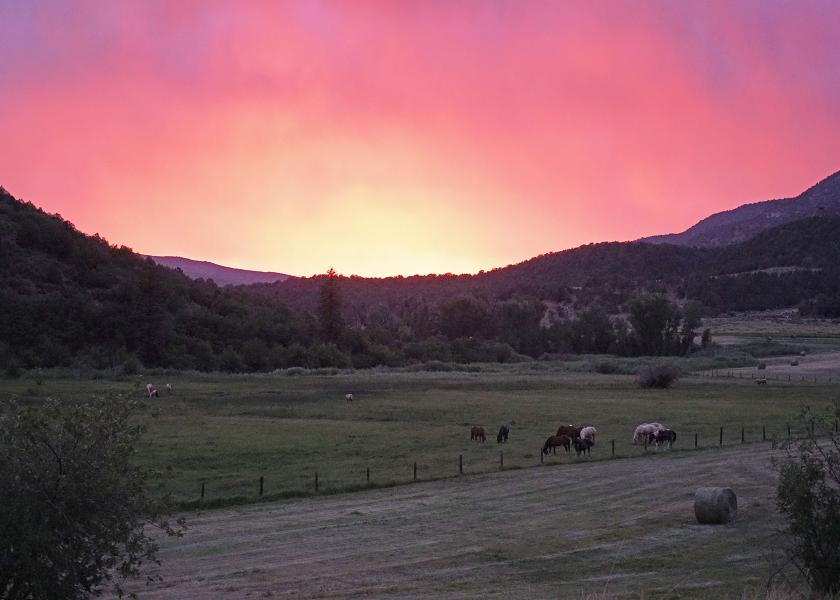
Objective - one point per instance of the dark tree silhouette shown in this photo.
(329, 307)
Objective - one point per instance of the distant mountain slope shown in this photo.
(201, 269)
(748, 220)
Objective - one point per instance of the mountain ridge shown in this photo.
(220, 274)
(67, 298)
(748, 220)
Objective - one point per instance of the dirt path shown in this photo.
(618, 526)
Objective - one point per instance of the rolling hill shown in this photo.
(748, 220)
(67, 298)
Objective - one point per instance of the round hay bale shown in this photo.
(714, 505)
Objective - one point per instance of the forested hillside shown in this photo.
(67, 299)
(71, 299)
(779, 268)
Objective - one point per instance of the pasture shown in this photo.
(614, 529)
(572, 526)
(227, 431)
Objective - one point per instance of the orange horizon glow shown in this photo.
(386, 138)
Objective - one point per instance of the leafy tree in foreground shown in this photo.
(74, 506)
(808, 497)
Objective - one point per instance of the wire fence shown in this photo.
(762, 378)
(723, 436)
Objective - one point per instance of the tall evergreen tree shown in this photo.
(329, 307)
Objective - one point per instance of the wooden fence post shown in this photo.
(612, 444)
(695, 440)
(721, 436)
(460, 464)
(788, 425)
(763, 433)
(367, 474)
(742, 435)
(415, 471)
(261, 485)
(812, 427)
(541, 456)
(202, 491)
(316, 481)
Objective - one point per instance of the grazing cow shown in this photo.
(588, 433)
(555, 441)
(644, 430)
(169, 388)
(348, 397)
(150, 389)
(662, 437)
(477, 433)
(583, 446)
(569, 430)
(504, 430)
(762, 381)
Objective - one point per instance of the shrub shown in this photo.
(328, 355)
(131, 366)
(76, 512)
(606, 367)
(808, 497)
(436, 366)
(13, 370)
(661, 376)
(231, 361)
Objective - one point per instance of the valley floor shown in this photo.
(616, 527)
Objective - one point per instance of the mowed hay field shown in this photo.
(612, 528)
(228, 431)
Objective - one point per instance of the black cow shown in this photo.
(583, 446)
(662, 437)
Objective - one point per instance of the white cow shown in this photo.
(348, 397)
(588, 433)
(150, 389)
(168, 388)
(642, 431)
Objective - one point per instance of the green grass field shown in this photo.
(227, 431)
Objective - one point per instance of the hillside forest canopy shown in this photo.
(70, 299)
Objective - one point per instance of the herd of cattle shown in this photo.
(580, 438)
(567, 436)
(583, 438)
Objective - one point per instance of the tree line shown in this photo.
(68, 299)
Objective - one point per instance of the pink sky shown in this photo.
(410, 137)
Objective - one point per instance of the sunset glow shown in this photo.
(410, 137)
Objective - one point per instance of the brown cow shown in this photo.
(477, 433)
(570, 430)
(557, 440)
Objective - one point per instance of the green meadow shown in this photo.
(227, 431)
